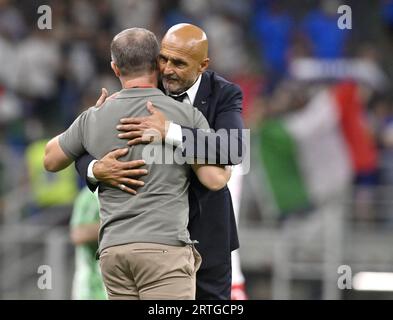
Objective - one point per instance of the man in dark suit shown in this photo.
(183, 64)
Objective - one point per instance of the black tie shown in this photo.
(180, 97)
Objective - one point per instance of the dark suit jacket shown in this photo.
(212, 220)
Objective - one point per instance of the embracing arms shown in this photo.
(225, 146)
(55, 159)
(212, 177)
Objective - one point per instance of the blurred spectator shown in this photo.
(36, 74)
(133, 13)
(273, 26)
(387, 14)
(12, 24)
(85, 223)
(381, 120)
(252, 85)
(10, 106)
(226, 45)
(7, 60)
(183, 11)
(84, 14)
(49, 189)
(320, 28)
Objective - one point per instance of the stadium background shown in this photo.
(318, 101)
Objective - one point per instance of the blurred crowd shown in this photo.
(317, 98)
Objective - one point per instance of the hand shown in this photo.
(103, 97)
(117, 173)
(144, 129)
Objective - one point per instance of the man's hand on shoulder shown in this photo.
(120, 174)
(104, 95)
(144, 129)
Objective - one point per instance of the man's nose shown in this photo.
(168, 68)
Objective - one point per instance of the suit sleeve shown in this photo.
(225, 144)
(81, 165)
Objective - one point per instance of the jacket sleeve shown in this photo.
(81, 165)
(225, 145)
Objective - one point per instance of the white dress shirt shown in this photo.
(174, 135)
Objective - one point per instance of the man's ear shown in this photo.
(204, 65)
(115, 69)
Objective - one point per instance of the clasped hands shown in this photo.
(125, 174)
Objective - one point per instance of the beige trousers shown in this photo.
(150, 271)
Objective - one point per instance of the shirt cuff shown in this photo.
(174, 136)
(90, 174)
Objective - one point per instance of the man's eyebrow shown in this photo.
(178, 61)
(173, 60)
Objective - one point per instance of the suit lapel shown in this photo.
(203, 94)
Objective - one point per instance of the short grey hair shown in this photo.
(135, 51)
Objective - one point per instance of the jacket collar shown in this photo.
(138, 92)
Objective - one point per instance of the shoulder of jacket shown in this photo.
(219, 81)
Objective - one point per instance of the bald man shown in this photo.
(183, 57)
(183, 63)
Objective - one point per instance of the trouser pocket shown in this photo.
(197, 258)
